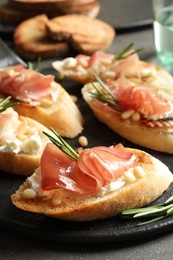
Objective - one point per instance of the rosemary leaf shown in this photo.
(121, 54)
(150, 221)
(153, 213)
(108, 98)
(34, 67)
(61, 144)
(5, 103)
(168, 201)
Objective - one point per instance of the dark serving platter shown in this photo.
(108, 230)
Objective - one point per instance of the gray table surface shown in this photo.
(16, 246)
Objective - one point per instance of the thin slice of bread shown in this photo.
(85, 34)
(31, 40)
(24, 163)
(142, 191)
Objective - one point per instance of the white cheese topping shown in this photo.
(111, 187)
(34, 181)
(129, 176)
(18, 137)
(31, 146)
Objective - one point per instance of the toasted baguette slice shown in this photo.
(24, 163)
(54, 109)
(32, 41)
(156, 134)
(86, 35)
(142, 191)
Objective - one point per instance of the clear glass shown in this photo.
(163, 30)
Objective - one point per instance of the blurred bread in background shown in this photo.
(16, 11)
(42, 37)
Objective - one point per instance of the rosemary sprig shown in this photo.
(121, 54)
(34, 67)
(61, 144)
(108, 98)
(5, 103)
(153, 213)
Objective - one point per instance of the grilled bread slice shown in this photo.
(67, 205)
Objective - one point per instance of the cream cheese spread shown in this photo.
(31, 146)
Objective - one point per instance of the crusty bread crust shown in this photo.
(154, 137)
(76, 29)
(24, 164)
(136, 194)
(31, 40)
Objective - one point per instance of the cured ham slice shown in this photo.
(24, 84)
(95, 168)
(142, 99)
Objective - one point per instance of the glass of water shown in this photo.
(163, 30)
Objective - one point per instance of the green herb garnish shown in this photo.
(34, 67)
(61, 144)
(121, 54)
(108, 97)
(153, 213)
(5, 103)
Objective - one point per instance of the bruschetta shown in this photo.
(21, 141)
(110, 66)
(41, 99)
(141, 114)
(95, 183)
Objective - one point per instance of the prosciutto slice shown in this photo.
(22, 83)
(95, 168)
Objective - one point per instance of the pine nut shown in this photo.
(56, 198)
(22, 128)
(29, 193)
(138, 172)
(127, 114)
(129, 176)
(46, 102)
(136, 116)
(83, 141)
(83, 62)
